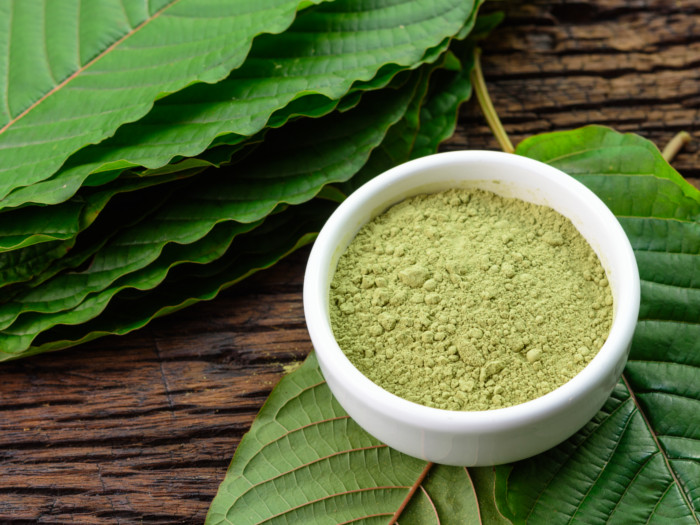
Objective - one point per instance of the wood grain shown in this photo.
(140, 429)
(631, 65)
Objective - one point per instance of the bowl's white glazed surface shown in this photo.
(493, 436)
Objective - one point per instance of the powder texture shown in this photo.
(465, 300)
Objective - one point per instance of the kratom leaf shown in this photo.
(69, 218)
(323, 52)
(290, 167)
(439, 115)
(447, 496)
(484, 481)
(266, 176)
(32, 225)
(398, 143)
(40, 224)
(21, 265)
(436, 111)
(280, 235)
(305, 461)
(48, 263)
(36, 224)
(122, 211)
(638, 460)
(62, 304)
(104, 64)
(41, 258)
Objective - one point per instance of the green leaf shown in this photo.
(484, 480)
(32, 225)
(21, 265)
(280, 235)
(305, 164)
(119, 214)
(65, 220)
(103, 63)
(638, 460)
(40, 224)
(305, 461)
(430, 119)
(78, 296)
(614, 165)
(45, 263)
(40, 258)
(446, 497)
(290, 167)
(439, 115)
(324, 52)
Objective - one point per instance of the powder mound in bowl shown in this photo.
(466, 300)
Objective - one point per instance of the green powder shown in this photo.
(465, 300)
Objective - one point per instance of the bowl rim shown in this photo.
(330, 354)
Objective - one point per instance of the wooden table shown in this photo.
(140, 429)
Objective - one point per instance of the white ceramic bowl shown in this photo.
(479, 437)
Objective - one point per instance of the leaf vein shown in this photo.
(476, 497)
(45, 48)
(670, 219)
(604, 466)
(412, 490)
(367, 516)
(82, 68)
(667, 252)
(305, 465)
(650, 393)
(431, 502)
(631, 481)
(299, 429)
(671, 470)
(661, 320)
(564, 463)
(651, 514)
(669, 286)
(9, 48)
(329, 496)
(126, 15)
(660, 362)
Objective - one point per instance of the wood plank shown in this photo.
(556, 65)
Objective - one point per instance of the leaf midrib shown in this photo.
(78, 71)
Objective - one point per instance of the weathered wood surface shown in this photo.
(630, 64)
(140, 429)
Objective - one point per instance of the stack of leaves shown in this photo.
(154, 153)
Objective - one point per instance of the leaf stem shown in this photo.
(486, 105)
(411, 492)
(679, 140)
